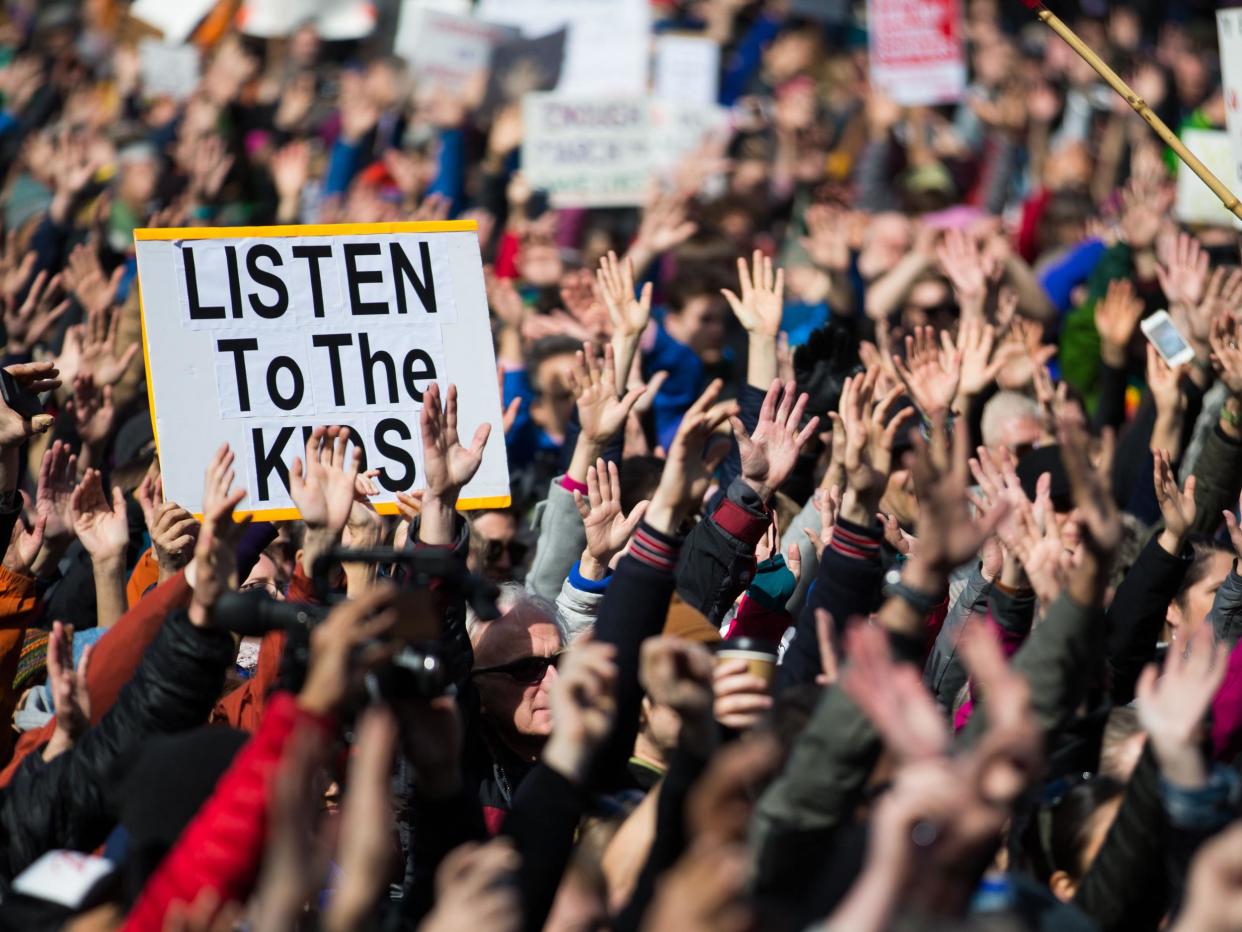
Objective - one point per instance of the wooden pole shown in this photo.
(1053, 22)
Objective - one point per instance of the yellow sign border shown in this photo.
(147, 234)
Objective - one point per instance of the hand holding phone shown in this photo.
(1163, 334)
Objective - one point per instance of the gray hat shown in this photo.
(27, 199)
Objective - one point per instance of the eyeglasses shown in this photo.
(493, 550)
(528, 670)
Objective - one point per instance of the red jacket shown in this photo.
(222, 847)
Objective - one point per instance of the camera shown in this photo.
(418, 670)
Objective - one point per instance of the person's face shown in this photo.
(137, 181)
(498, 531)
(887, 240)
(514, 698)
(540, 264)
(304, 46)
(1018, 434)
(700, 325)
(380, 85)
(555, 398)
(661, 726)
(266, 575)
(1192, 606)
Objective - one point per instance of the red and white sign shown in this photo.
(916, 50)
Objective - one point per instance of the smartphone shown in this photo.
(1163, 334)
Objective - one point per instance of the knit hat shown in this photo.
(1046, 460)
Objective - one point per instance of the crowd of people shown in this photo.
(865, 568)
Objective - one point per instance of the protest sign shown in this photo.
(1195, 201)
(413, 14)
(175, 20)
(686, 68)
(916, 52)
(1229, 31)
(334, 20)
(255, 335)
(168, 70)
(522, 65)
(608, 40)
(606, 152)
(453, 50)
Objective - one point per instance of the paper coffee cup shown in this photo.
(760, 656)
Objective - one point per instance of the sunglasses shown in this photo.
(494, 550)
(528, 670)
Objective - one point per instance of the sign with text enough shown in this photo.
(606, 152)
(915, 50)
(255, 335)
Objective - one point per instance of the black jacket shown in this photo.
(66, 803)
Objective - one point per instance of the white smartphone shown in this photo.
(1163, 334)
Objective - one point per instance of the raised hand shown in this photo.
(892, 696)
(930, 373)
(869, 432)
(84, 278)
(337, 662)
(607, 529)
(57, 477)
(1143, 208)
(448, 466)
(290, 169)
(584, 704)
(1091, 485)
(100, 357)
(1226, 355)
(828, 504)
(1182, 269)
(615, 286)
(982, 358)
(15, 428)
(15, 268)
(172, 529)
(968, 270)
(1172, 708)
(677, 674)
(70, 696)
(601, 413)
(323, 487)
(771, 452)
(663, 226)
(215, 551)
(1116, 316)
(948, 534)
(26, 325)
(688, 466)
(476, 888)
(762, 302)
(92, 411)
(1177, 507)
(1165, 383)
(827, 242)
(24, 547)
(101, 525)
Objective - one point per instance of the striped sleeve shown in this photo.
(850, 543)
(657, 550)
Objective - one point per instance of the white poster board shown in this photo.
(916, 50)
(176, 20)
(413, 14)
(686, 68)
(607, 152)
(1195, 201)
(609, 40)
(453, 50)
(334, 20)
(255, 335)
(168, 70)
(1229, 31)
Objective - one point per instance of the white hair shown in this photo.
(1004, 407)
(514, 596)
